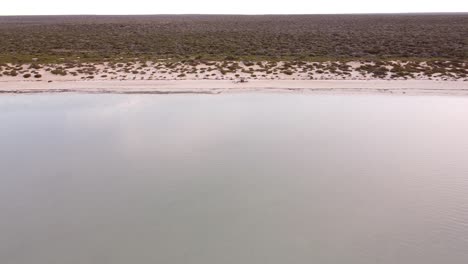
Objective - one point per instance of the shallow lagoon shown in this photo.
(240, 178)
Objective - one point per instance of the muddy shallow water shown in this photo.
(240, 178)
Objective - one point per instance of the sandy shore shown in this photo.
(392, 77)
(228, 86)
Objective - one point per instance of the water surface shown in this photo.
(221, 179)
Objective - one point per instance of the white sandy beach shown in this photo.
(414, 87)
(223, 77)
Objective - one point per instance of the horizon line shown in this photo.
(236, 14)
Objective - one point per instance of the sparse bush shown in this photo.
(253, 39)
(34, 66)
(58, 72)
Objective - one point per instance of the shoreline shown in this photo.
(214, 77)
(408, 87)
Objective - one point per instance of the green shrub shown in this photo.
(231, 58)
(58, 72)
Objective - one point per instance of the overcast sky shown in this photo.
(56, 7)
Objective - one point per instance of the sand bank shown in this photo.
(228, 86)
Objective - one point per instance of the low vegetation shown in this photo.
(233, 38)
(430, 46)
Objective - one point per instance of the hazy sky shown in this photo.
(53, 7)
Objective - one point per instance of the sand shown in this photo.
(220, 77)
(410, 87)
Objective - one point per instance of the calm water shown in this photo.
(233, 179)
